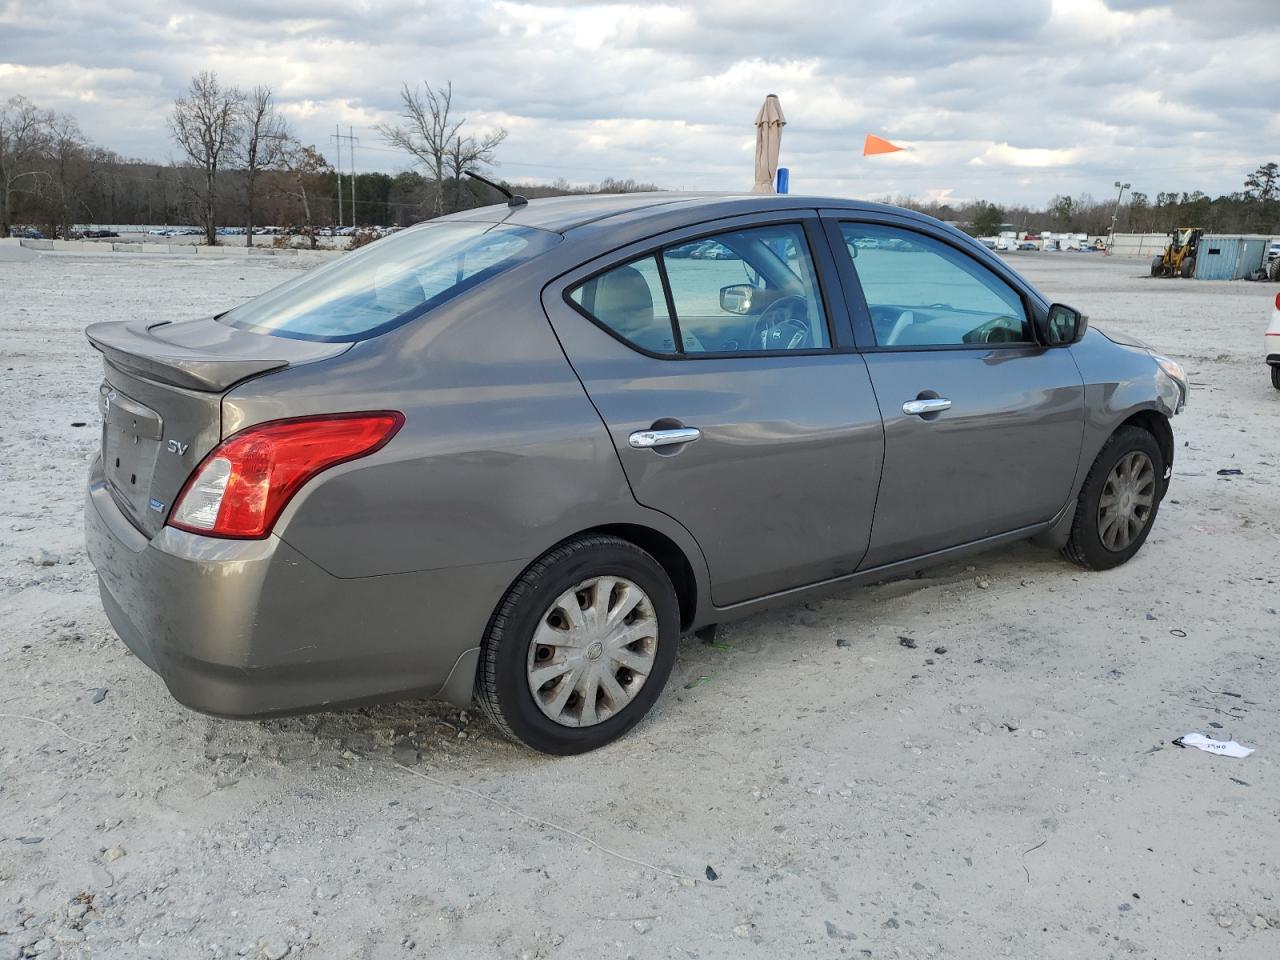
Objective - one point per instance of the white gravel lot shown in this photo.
(1014, 794)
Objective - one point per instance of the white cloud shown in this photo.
(1009, 102)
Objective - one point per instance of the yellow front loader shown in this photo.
(1179, 257)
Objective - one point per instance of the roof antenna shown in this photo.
(513, 199)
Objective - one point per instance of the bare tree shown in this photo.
(259, 145)
(24, 133)
(466, 153)
(305, 164)
(70, 164)
(204, 125)
(430, 134)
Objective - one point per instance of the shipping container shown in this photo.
(1229, 256)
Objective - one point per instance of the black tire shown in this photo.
(502, 683)
(1085, 546)
(1188, 267)
(1274, 268)
(1275, 377)
(1157, 266)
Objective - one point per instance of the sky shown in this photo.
(1010, 102)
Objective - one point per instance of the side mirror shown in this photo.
(736, 298)
(1062, 326)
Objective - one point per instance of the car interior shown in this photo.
(922, 293)
(742, 291)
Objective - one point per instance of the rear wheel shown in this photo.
(1275, 377)
(581, 646)
(1274, 269)
(1157, 266)
(1188, 267)
(1118, 502)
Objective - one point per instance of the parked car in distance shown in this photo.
(1271, 344)
(511, 455)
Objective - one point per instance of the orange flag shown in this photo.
(876, 144)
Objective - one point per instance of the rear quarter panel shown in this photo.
(500, 457)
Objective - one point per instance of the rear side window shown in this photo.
(389, 282)
(630, 302)
(742, 291)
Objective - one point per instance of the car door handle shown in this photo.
(920, 408)
(644, 439)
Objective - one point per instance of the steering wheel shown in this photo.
(905, 319)
(783, 326)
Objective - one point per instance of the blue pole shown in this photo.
(784, 179)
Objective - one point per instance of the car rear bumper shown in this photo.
(252, 628)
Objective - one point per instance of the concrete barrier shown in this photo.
(96, 248)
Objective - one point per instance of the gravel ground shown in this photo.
(1007, 787)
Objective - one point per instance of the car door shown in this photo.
(728, 383)
(983, 426)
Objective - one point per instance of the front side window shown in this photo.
(742, 291)
(922, 292)
(389, 282)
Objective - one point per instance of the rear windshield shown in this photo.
(389, 282)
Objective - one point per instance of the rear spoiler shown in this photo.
(200, 355)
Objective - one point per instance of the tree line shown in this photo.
(1253, 209)
(240, 164)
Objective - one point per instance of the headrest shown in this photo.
(623, 300)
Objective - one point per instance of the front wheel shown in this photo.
(580, 647)
(1118, 502)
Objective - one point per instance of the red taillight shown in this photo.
(1278, 301)
(240, 488)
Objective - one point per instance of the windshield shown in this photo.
(389, 282)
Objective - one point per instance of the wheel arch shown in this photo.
(1150, 419)
(1156, 424)
(669, 554)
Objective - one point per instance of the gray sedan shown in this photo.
(512, 455)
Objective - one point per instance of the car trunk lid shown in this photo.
(161, 401)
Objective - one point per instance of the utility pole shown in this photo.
(337, 167)
(1115, 216)
(351, 147)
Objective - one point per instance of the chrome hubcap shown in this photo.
(1127, 497)
(592, 651)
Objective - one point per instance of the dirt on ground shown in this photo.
(811, 785)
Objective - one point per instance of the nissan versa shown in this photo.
(515, 453)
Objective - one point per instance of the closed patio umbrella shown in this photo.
(769, 124)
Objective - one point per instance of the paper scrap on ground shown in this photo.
(1223, 748)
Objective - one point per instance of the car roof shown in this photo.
(567, 213)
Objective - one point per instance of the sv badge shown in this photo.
(178, 447)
